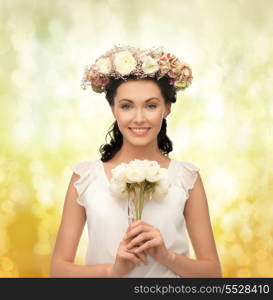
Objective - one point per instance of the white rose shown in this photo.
(103, 65)
(118, 189)
(149, 65)
(161, 189)
(153, 173)
(163, 174)
(119, 172)
(135, 171)
(124, 62)
(138, 163)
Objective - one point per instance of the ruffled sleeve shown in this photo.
(186, 176)
(87, 174)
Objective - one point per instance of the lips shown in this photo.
(139, 127)
(139, 130)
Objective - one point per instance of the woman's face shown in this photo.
(139, 104)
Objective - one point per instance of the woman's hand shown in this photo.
(126, 260)
(150, 240)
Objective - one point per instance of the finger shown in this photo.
(145, 246)
(127, 230)
(137, 230)
(126, 233)
(139, 239)
(137, 223)
(130, 226)
(132, 257)
(143, 257)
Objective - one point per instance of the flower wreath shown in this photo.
(123, 61)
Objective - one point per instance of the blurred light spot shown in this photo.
(20, 193)
(242, 137)
(236, 252)
(63, 92)
(42, 249)
(36, 166)
(208, 133)
(75, 131)
(261, 254)
(246, 234)
(230, 236)
(37, 210)
(23, 132)
(56, 28)
(215, 107)
(7, 206)
(182, 136)
(227, 220)
(2, 176)
(224, 182)
(52, 138)
(6, 264)
(4, 241)
(244, 260)
(44, 187)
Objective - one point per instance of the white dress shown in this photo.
(107, 218)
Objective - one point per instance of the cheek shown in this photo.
(156, 118)
(123, 119)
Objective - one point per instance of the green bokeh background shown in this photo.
(222, 122)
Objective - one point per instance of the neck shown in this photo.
(130, 152)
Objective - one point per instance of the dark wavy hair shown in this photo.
(168, 92)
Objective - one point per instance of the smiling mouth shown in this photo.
(140, 131)
(139, 128)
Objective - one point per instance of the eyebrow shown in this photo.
(145, 100)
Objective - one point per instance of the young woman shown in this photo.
(140, 86)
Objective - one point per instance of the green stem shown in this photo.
(135, 202)
(141, 199)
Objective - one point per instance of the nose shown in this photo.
(139, 116)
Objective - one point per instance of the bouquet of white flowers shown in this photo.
(136, 181)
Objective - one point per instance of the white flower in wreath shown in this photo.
(104, 65)
(124, 62)
(149, 64)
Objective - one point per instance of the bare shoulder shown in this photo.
(197, 201)
(198, 187)
(72, 193)
(71, 190)
(74, 177)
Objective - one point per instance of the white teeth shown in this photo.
(139, 130)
